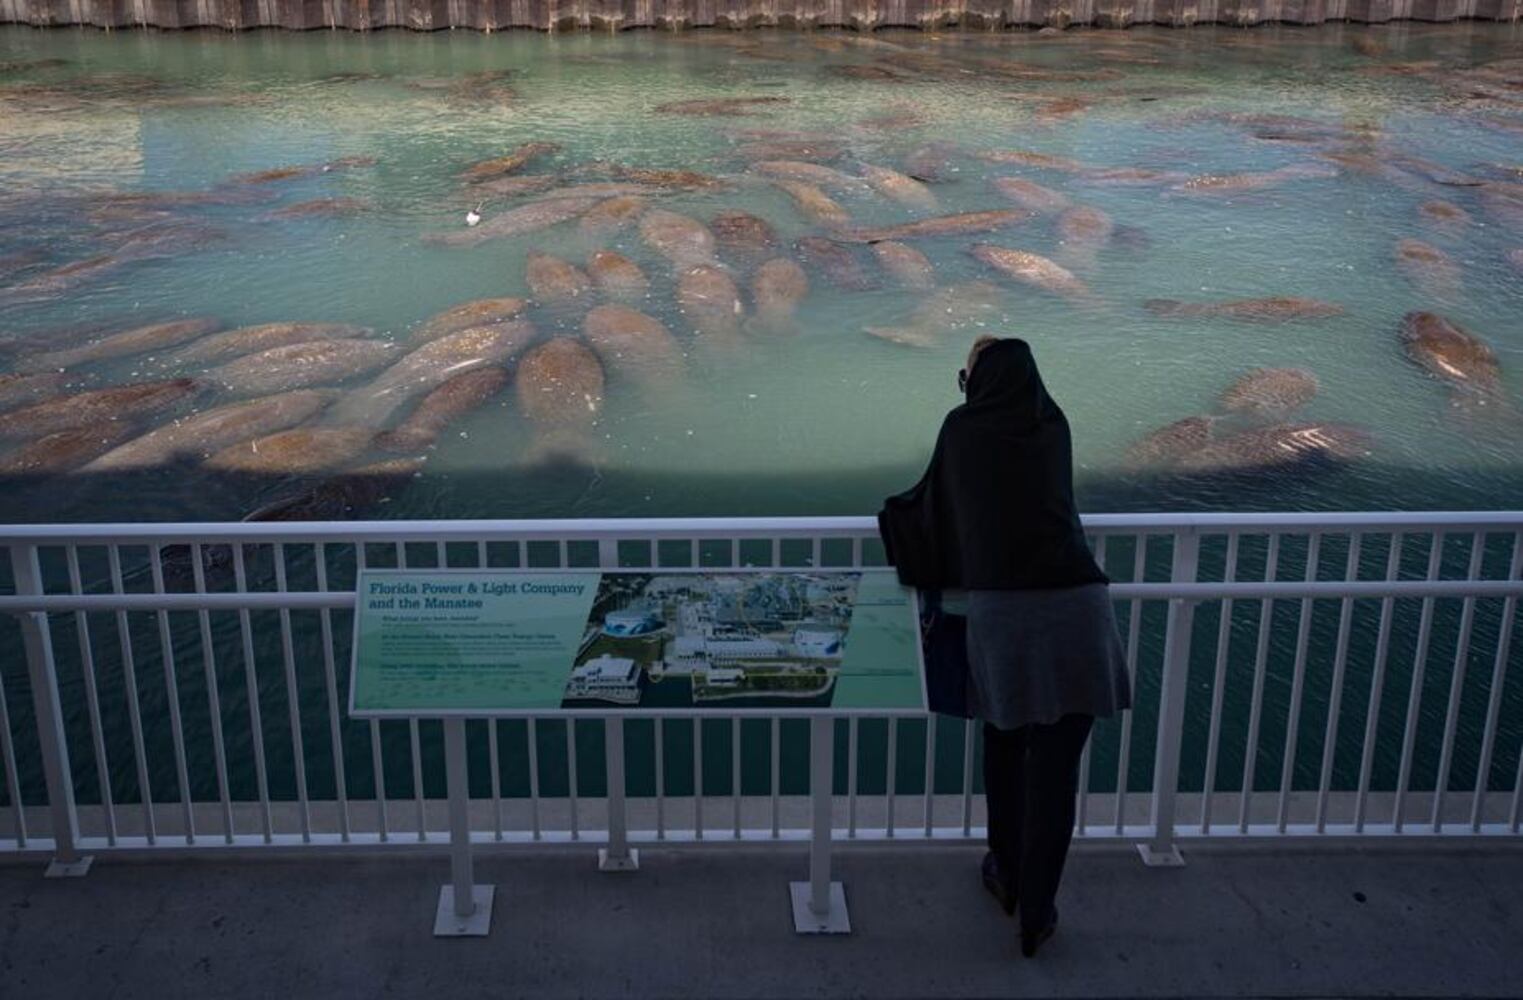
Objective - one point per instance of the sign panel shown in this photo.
(524, 642)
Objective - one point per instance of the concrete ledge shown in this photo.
(701, 923)
(862, 15)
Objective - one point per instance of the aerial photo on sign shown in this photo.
(750, 640)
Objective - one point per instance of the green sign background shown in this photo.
(512, 652)
(498, 642)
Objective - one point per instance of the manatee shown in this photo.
(941, 225)
(1428, 267)
(839, 264)
(559, 388)
(307, 170)
(1278, 447)
(632, 343)
(199, 435)
(1130, 177)
(707, 296)
(478, 312)
(898, 187)
(1232, 183)
(253, 339)
(908, 266)
(1444, 214)
(21, 390)
(121, 345)
(609, 217)
(511, 163)
(1032, 269)
(1504, 203)
(791, 149)
(517, 221)
(1171, 443)
(553, 280)
(1447, 351)
(297, 451)
(1025, 158)
(816, 174)
(943, 313)
(1435, 172)
(1031, 195)
(1367, 46)
(322, 208)
(453, 399)
(744, 238)
(1060, 108)
(675, 180)
(1270, 391)
(1085, 227)
(513, 187)
(869, 71)
(430, 365)
(930, 163)
(777, 287)
(65, 450)
(1515, 258)
(297, 366)
(784, 135)
(681, 239)
(616, 276)
(20, 260)
(57, 280)
(345, 495)
(813, 202)
(722, 106)
(98, 407)
(1279, 309)
(601, 189)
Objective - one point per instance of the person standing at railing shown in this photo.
(992, 525)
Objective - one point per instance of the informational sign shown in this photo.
(462, 642)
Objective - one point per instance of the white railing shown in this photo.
(181, 686)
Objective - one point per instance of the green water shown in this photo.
(827, 419)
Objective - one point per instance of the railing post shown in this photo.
(1161, 850)
(616, 857)
(819, 905)
(465, 909)
(58, 776)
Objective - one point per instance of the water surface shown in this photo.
(825, 418)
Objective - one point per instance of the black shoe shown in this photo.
(1031, 942)
(994, 881)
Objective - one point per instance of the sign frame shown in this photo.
(615, 712)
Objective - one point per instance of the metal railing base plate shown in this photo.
(628, 862)
(1154, 858)
(77, 868)
(449, 924)
(806, 921)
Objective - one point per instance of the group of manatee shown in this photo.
(355, 414)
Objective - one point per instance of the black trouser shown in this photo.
(1030, 777)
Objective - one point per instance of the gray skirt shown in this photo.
(1035, 656)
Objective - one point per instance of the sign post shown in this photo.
(819, 905)
(456, 644)
(465, 908)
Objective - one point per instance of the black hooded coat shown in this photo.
(995, 508)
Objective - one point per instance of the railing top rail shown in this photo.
(309, 600)
(721, 527)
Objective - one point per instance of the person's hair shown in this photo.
(983, 341)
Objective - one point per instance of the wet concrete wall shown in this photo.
(496, 15)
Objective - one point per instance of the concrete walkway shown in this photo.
(1238, 921)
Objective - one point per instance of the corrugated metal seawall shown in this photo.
(496, 15)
